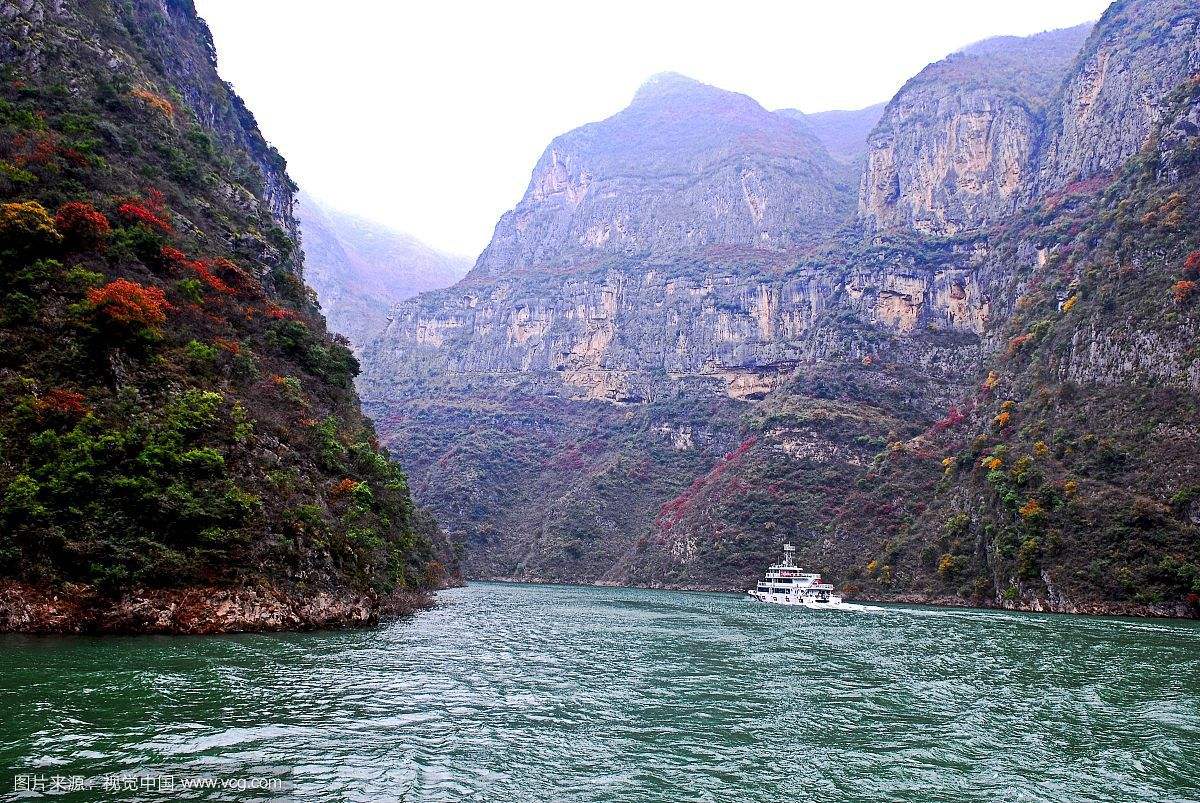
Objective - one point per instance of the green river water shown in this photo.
(525, 692)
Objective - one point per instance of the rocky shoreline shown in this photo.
(195, 610)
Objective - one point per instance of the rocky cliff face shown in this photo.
(955, 148)
(684, 167)
(181, 448)
(1114, 99)
(928, 416)
(361, 269)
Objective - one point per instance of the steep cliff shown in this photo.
(1136, 55)
(684, 167)
(361, 269)
(955, 148)
(181, 448)
(553, 400)
(949, 399)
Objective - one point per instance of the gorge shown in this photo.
(945, 345)
(954, 364)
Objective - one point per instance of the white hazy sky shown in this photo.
(428, 116)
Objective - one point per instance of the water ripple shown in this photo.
(515, 693)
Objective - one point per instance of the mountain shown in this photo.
(684, 167)
(954, 149)
(843, 133)
(361, 269)
(181, 447)
(977, 388)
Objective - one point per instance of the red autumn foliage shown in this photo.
(136, 212)
(64, 404)
(235, 277)
(127, 302)
(952, 419)
(278, 313)
(173, 255)
(1183, 291)
(1193, 599)
(232, 346)
(33, 149)
(202, 268)
(214, 282)
(82, 227)
(671, 513)
(1017, 343)
(343, 488)
(1191, 266)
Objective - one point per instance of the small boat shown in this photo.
(788, 584)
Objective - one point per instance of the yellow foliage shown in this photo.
(871, 567)
(992, 380)
(1041, 449)
(1070, 302)
(1070, 487)
(27, 225)
(1008, 404)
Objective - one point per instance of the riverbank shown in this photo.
(1059, 603)
(197, 610)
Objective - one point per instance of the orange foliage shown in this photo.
(1191, 266)
(1032, 509)
(232, 346)
(1001, 421)
(128, 302)
(1017, 343)
(1183, 291)
(63, 403)
(343, 488)
(155, 101)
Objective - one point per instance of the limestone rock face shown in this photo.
(1139, 51)
(684, 167)
(955, 147)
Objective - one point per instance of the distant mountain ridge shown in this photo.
(843, 132)
(361, 268)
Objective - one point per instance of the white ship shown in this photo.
(788, 584)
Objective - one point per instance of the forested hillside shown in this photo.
(181, 447)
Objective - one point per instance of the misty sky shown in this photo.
(429, 116)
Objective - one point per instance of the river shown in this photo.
(526, 692)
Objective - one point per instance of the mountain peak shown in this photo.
(667, 86)
(665, 83)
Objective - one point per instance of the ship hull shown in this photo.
(795, 600)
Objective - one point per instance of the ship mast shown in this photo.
(789, 555)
